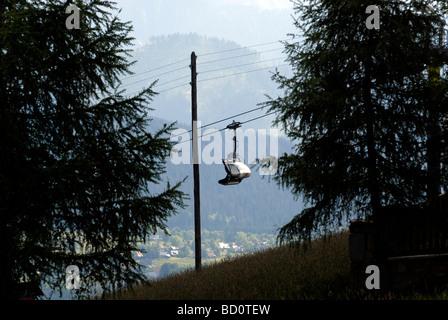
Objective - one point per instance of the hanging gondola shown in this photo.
(236, 170)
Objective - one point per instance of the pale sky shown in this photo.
(262, 4)
(246, 22)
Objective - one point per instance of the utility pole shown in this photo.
(197, 202)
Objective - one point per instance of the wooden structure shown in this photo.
(409, 245)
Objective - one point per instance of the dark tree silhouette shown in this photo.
(81, 166)
(358, 109)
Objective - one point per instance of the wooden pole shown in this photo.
(197, 203)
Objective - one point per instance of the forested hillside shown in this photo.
(231, 80)
(256, 205)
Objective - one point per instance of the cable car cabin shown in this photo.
(236, 172)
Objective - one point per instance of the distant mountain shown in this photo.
(256, 205)
(231, 79)
(246, 22)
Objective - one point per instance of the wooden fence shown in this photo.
(409, 245)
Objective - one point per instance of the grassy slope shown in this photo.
(320, 272)
(277, 273)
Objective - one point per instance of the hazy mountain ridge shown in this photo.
(256, 205)
(246, 22)
(231, 79)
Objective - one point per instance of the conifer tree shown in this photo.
(357, 109)
(82, 169)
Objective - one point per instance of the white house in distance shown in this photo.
(223, 245)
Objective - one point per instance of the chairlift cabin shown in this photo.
(236, 170)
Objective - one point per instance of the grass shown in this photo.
(319, 272)
(276, 273)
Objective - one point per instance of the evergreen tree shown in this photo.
(81, 166)
(357, 108)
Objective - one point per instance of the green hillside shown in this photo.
(256, 205)
(320, 272)
(231, 79)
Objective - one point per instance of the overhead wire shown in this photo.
(214, 78)
(253, 119)
(155, 69)
(207, 71)
(152, 77)
(208, 54)
(219, 130)
(240, 56)
(222, 120)
(172, 88)
(241, 48)
(243, 72)
(242, 65)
